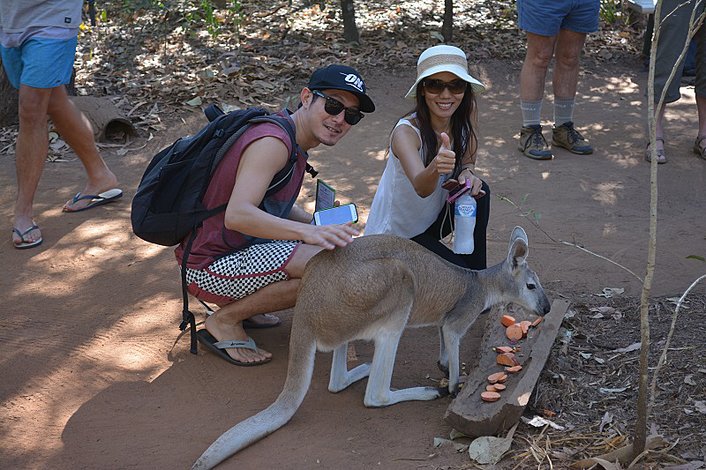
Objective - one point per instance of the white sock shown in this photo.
(563, 111)
(531, 113)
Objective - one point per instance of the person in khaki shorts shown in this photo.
(674, 28)
(557, 30)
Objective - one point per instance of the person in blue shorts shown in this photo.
(37, 45)
(555, 30)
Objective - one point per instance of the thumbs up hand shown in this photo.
(445, 157)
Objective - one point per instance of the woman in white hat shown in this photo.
(434, 143)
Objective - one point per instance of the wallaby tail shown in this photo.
(302, 352)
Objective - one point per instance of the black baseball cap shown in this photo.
(341, 77)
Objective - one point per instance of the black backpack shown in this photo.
(168, 203)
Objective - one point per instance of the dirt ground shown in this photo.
(95, 376)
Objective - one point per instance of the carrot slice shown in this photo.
(499, 387)
(504, 349)
(514, 332)
(525, 325)
(513, 369)
(490, 396)
(497, 377)
(507, 320)
(537, 321)
(507, 359)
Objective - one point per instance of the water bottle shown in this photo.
(465, 222)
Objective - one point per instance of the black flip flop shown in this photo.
(219, 348)
(24, 244)
(95, 199)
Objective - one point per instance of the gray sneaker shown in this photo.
(568, 137)
(533, 144)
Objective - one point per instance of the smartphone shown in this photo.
(458, 190)
(325, 196)
(337, 215)
(450, 184)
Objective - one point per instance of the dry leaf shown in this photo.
(540, 422)
(489, 449)
(194, 101)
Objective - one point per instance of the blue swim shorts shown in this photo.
(546, 18)
(40, 62)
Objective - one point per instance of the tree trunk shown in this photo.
(8, 100)
(643, 401)
(350, 30)
(448, 24)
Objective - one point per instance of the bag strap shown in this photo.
(187, 316)
(282, 177)
(213, 111)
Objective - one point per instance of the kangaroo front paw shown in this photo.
(453, 393)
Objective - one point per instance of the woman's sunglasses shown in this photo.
(334, 108)
(435, 86)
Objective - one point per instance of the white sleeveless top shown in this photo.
(397, 208)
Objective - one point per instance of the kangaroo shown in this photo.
(373, 289)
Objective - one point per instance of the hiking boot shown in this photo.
(568, 137)
(533, 144)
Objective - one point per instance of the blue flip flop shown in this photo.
(24, 243)
(95, 199)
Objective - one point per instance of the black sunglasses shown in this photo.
(334, 108)
(435, 86)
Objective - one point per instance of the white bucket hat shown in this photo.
(443, 59)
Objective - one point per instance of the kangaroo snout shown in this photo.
(544, 306)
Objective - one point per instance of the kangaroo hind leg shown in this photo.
(378, 392)
(443, 361)
(451, 341)
(341, 377)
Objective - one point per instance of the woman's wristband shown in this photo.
(467, 169)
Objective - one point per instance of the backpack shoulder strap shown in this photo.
(282, 177)
(213, 111)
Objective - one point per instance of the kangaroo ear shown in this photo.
(519, 248)
(518, 232)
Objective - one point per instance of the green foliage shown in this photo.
(210, 15)
(207, 14)
(611, 11)
(530, 213)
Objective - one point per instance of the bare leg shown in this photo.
(659, 129)
(700, 144)
(31, 153)
(566, 70)
(77, 132)
(540, 50)
(534, 69)
(701, 108)
(227, 322)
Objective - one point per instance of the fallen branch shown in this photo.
(622, 454)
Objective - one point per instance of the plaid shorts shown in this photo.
(241, 273)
